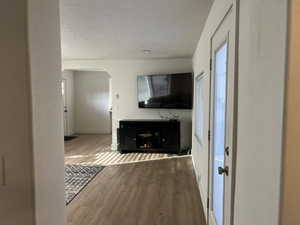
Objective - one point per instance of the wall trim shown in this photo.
(201, 192)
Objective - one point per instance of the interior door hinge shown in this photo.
(209, 135)
(210, 64)
(207, 203)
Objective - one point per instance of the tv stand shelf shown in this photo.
(152, 136)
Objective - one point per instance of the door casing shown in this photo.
(65, 107)
(232, 37)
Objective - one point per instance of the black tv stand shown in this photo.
(152, 136)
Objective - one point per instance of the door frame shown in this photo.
(234, 9)
(65, 107)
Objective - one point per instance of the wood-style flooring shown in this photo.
(162, 192)
(86, 145)
(95, 150)
(159, 192)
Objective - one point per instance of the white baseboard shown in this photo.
(92, 131)
(202, 195)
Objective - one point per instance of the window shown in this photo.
(199, 108)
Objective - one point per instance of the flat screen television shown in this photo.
(168, 91)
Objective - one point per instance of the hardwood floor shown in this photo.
(88, 145)
(162, 192)
(95, 150)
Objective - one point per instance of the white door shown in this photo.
(65, 107)
(221, 122)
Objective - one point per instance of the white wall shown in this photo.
(45, 67)
(124, 74)
(260, 98)
(201, 63)
(16, 197)
(92, 102)
(32, 141)
(68, 75)
(263, 30)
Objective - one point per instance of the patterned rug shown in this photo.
(77, 178)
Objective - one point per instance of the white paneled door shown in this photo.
(221, 122)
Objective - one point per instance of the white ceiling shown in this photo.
(122, 29)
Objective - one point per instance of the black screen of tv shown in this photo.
(170, 91)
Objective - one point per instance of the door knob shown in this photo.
(222, 170)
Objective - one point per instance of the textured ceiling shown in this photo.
(122, 29)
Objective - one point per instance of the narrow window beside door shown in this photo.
(199, 108)
(219, 130)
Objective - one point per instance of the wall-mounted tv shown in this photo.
(168, 91)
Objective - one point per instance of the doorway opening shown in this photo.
(87, 110)
(87, 106)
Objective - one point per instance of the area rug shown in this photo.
(77, 178)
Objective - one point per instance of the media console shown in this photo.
(153, 136)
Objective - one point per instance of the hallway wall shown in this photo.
(262, 74)
(32, 192)
(47, 117)
(201, 64)
(262, 58)
(16, 196)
